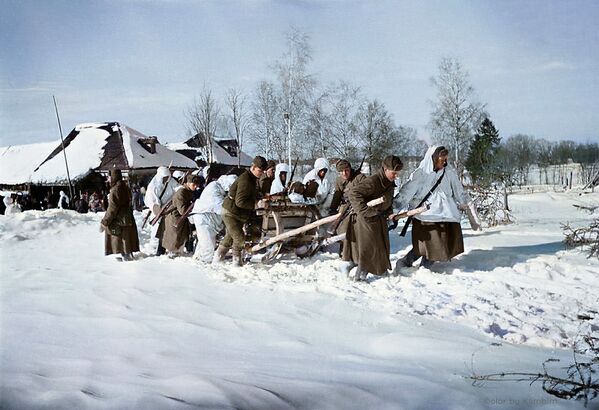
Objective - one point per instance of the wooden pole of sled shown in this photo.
(324, 221)
(294, 232)
(340, 237)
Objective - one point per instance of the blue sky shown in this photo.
(142, 62)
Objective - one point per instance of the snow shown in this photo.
(219, 154)
(80, 330)
(17, 162)
(84, 154)
(138, 157)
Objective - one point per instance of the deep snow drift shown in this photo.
(80, 330)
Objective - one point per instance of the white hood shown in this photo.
(426, 165)
(321, 163)
(213, 196)
(277, 186)
(225, 181)
(324, 186)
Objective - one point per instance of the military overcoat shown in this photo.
(174, 237)
(367, 232)
(120, 230)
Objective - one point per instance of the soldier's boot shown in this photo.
(219, 255)
(357, 274)
(426, 263)
(405, 262)
(237, 257)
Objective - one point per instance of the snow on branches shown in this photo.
(587, 237)
(490, 205)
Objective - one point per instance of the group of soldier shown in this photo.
(231, 202)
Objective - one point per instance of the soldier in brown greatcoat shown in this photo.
(367, 234)
(120, 231)
(176, 236)
(346, 179)
(238, 206)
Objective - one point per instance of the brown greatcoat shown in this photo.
(174, 237)
(342, 188)
(241, 199)
(367, 232)
(264, 184)
(120, 231)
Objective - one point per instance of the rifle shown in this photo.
(359, 169)
(292, 173)
(159, 196)
(163, 211)
(185, 215)
(188, 209)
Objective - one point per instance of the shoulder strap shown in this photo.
(432, 189)
(427, 196)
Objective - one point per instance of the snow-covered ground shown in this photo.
(83, 331)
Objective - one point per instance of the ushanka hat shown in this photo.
(392, 163)
(195, 179)
(342, 164)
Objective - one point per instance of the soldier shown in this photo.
(265, 181)
(238, 207)
(346, 179)
(436, 233)
(367, 234)
(320, 190)
(177, 232)
(162, 183)
(120, 231)
(279, 185)
(347, 176)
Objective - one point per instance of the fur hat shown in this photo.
(342, 164)
(392, 163)
(297, 187)
(270, 164)
(195, 179)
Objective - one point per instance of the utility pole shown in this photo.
(288, 122)
(66, 164)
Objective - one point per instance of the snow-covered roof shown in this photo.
(138, 157)
(85, 149)
(17, 162)
(219, 154)
(84, 153)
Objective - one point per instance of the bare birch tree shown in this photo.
(375, 132)
(203, 118)
(237, 118)
(343, 103)
(455, 114)
(296, 86)
(268, 130)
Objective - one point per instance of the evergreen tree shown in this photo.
(481, 158)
